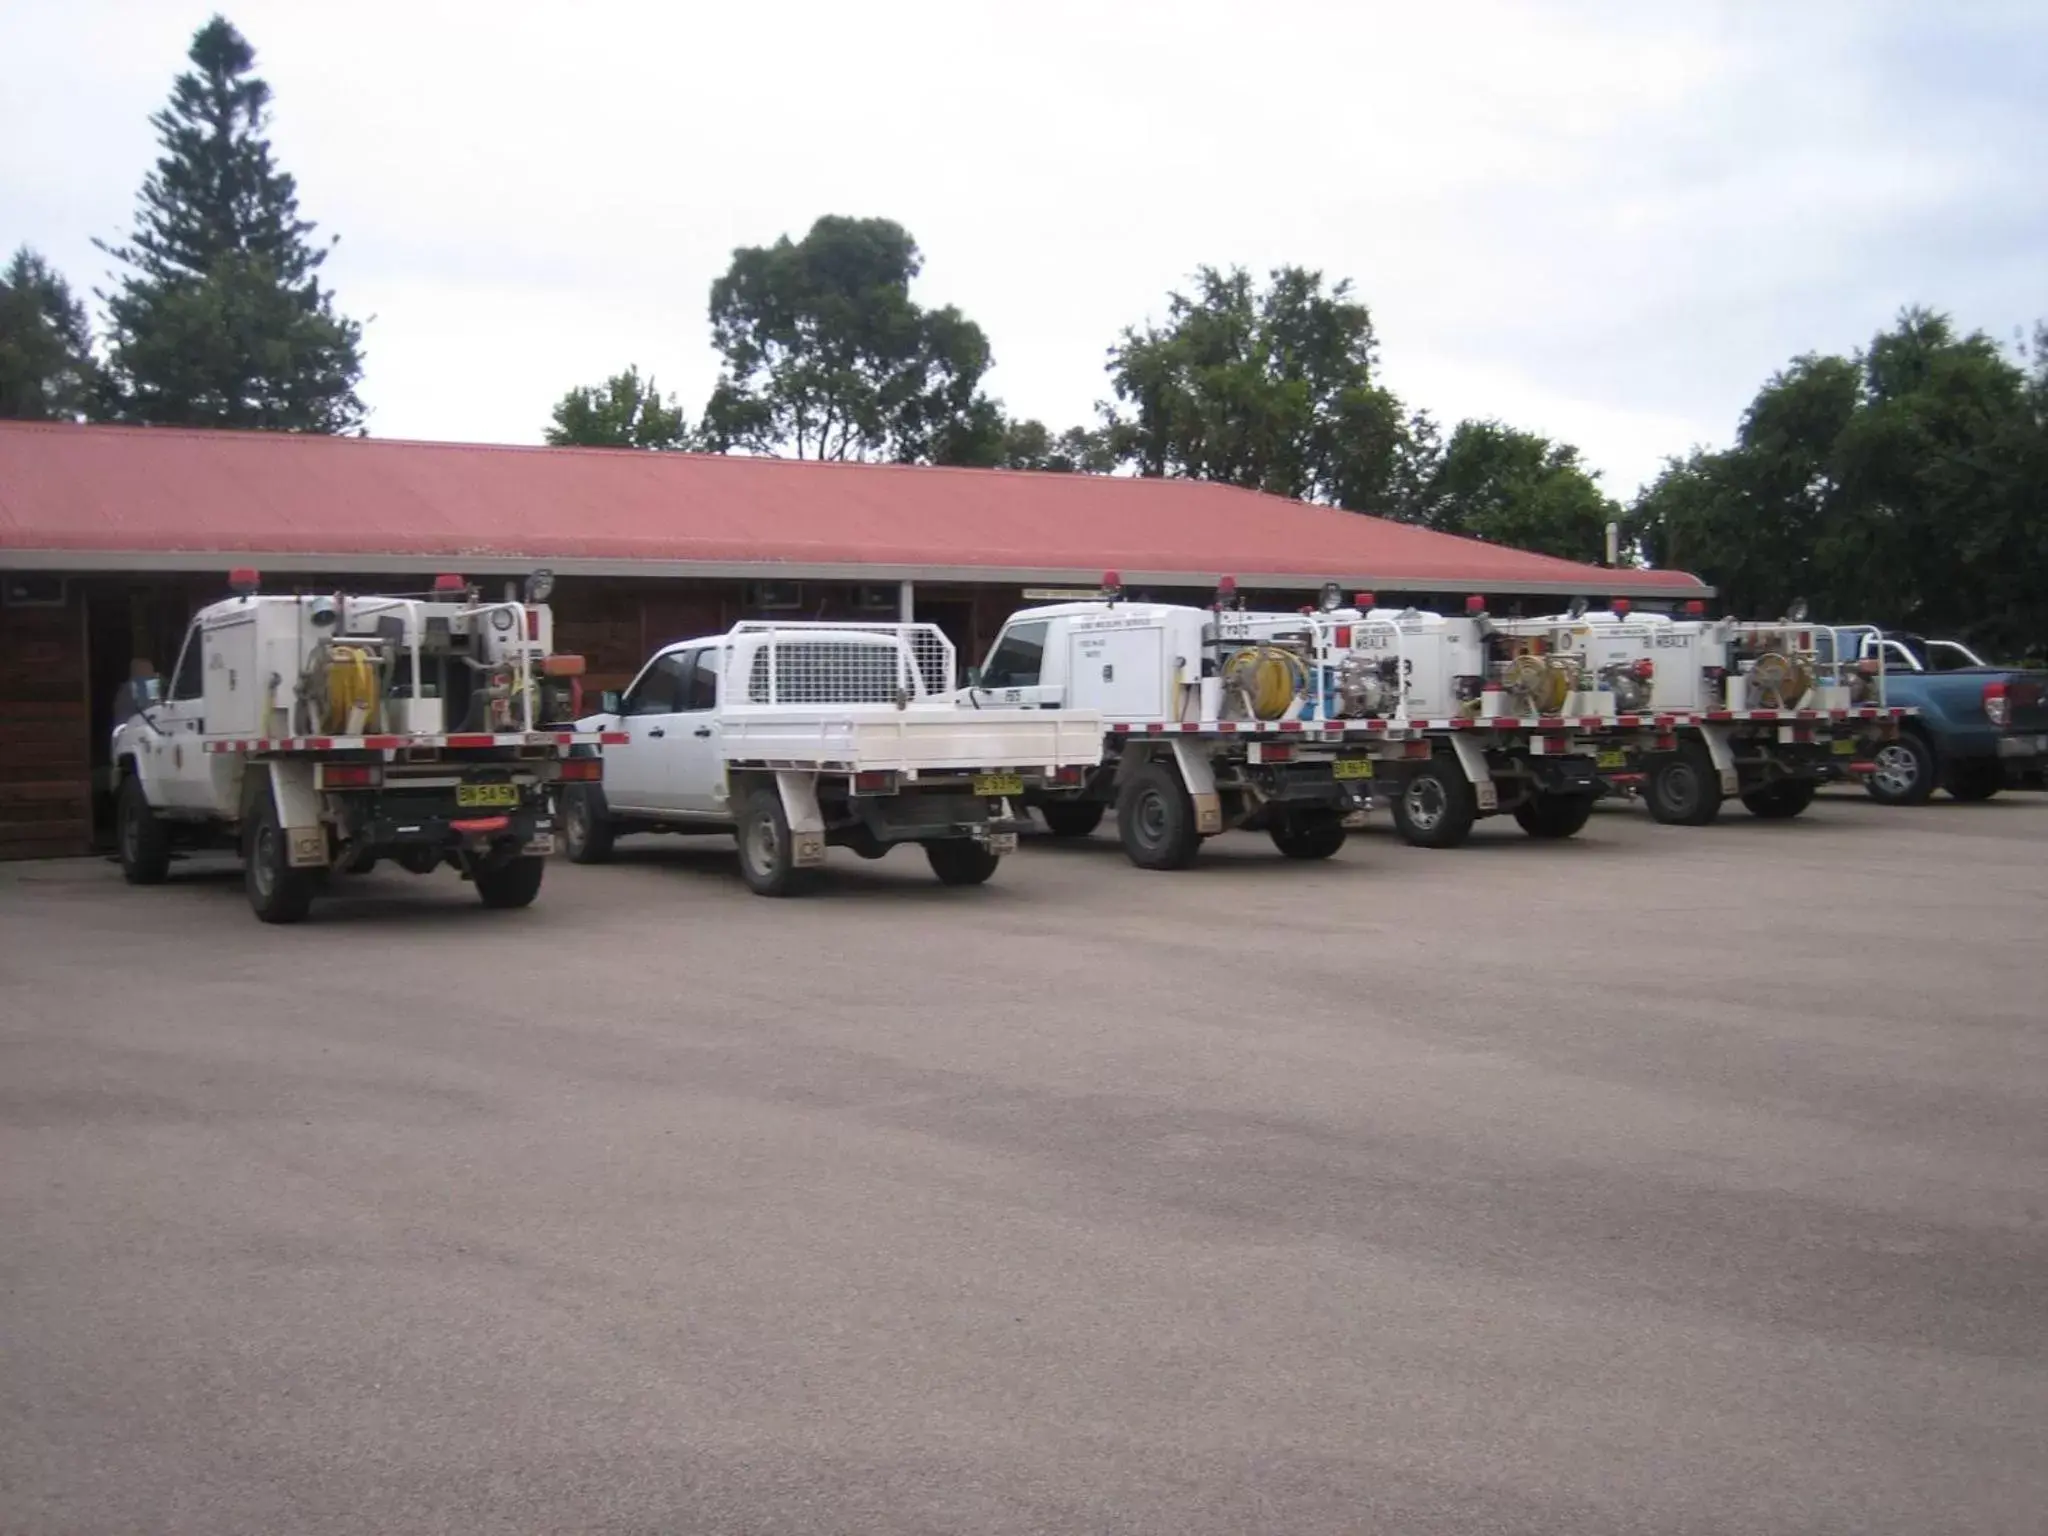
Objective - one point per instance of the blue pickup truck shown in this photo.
(1979, 727)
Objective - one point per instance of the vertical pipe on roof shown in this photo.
(906, 602)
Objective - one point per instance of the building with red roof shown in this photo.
(110, 536)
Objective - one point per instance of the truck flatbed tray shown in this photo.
(455, 741)
(1395, 726)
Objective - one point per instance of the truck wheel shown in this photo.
(587, 832)
(1685, 789)
(1554, 817)
(1072, 818)
(1308, 836)
(513, 883)
(1905, 773)
(278, 893)
(1155, 819)
(1974, 778)
(767, 847)
(145, 844)
(1436, 806)
(961, 861)
(1780, 801)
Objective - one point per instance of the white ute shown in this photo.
(797, 737)
(321, 733)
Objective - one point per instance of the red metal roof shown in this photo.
(82, 497)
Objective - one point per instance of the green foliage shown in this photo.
(622, 412)
(987, 439)
(1903, 486)
(1516, 488)
(827, 356)
(1271, 389)
(221, 319)
(46, 365)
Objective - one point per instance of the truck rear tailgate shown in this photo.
(885, 738)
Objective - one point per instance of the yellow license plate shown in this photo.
(1611, 760)
(474, 795)
(1842, 748)
(1352, 768)
(991, 785)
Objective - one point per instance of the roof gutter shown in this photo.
(1598, 582)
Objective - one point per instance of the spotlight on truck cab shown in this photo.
(539, 585)
(1576, 609)
(1331, 597)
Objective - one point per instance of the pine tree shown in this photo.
(46, 367)
(221, 319)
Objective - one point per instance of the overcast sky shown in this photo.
(1606, 222)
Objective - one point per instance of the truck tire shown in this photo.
(1436, 806)
(1974, 778)
(1685, 788)
(1155, 819)
(1308, 836)
(514, 883)
(278, 893)
(961, 861)
(1906, 772)
(1072, 818)
(1554, 817)
(1779, 801)
(767, 847)
(145, 844)
(587, 831)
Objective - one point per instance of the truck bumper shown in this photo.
(532, 827)
(2021, 746)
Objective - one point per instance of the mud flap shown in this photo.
(799, 793)
(1472, 758)
(1721, 753)
(298, 813)
(1200, 780)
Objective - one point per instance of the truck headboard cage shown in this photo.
(843, 663)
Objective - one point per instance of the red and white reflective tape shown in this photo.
(460, 741)
(1338, 729)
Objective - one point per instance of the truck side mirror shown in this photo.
(609, 702)
(974, 677)
(147, 691)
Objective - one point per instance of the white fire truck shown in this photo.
(321, 733)
(1469, 716)
(1210, 717)
(797, 737)
(1761, 711)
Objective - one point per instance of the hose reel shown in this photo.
(1264, 681)
(1778, 681)
(1536, 685)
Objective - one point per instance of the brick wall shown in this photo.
(45, 730)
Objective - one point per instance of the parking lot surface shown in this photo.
(1667, 1180)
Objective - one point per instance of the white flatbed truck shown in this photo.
(795, 738)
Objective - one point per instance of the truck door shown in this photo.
(178, 775)
(697, 770)
(636, 775)
(1121, 672)
(1014, 675)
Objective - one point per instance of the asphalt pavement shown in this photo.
(1667, 1180)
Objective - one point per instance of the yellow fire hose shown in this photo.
(1268, 677)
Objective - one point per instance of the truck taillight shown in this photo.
(350, 776)
(1068, 775)
(533, 623)
(878, 781)
(582, 770)
(1997, 707)
(1343, 637)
